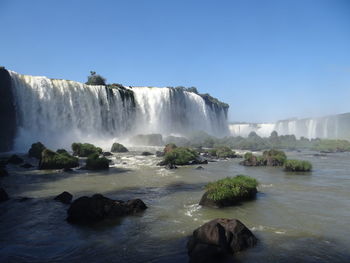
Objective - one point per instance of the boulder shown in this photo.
(219, 238)
(85, 210)
(118, 148)
(64, 197)
(107, 154)
(3, 172)
(15, 159)
(94, 162)
(3, 195)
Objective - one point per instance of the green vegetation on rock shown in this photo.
(54, 160)
(85, 149)
(297, 166)
(326, 145)
(229, 188)
(36, 150)
(269, 158)
(223, 152)
(95, 162)
(180, 156)
(118, 148)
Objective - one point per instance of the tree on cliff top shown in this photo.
(95, 79)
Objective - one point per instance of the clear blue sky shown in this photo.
(269, 60)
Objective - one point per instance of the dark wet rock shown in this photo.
(146, 153)
(64, 197)
(8, 116)
(36, 149)
(218, 239)
(97, 208)
(68, 170)
(170, 166)
(15, 159)
(27, 165)
(199, 168)
(199, 161)
(107, 154)
(159, 154)
(118, 148)
(124, 163)
(3, 172)
(3, 195)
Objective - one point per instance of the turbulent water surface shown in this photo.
(297, 217)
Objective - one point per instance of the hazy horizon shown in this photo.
(269, 60)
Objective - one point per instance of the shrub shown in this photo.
(180, 156)
(237, 187)
(169, 147)
(85, 149)
(223, 152)
(36, 150)
(118, 148)
(297, 166)
(95, 79)
(94, 162)
(54, 160)
(331, 145)
(274, 157)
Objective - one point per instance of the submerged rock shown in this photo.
(107, 154)
(159, 154)
(64, 197)
(219, 238)
(97, 208)
(170, 166)
(199, 168)
(146, 153)
(15, 159)
(27, 165)
(3, 195)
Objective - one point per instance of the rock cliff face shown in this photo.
(7, 112)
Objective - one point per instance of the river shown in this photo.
(296, 217)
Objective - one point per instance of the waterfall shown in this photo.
(329, 127)
(59, 112)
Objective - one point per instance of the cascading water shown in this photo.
(59, 112)
(332, 127)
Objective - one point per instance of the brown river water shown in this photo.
(302, 217)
